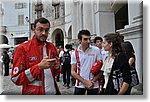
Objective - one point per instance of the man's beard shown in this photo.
(38, 38)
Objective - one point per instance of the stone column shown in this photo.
(75, 19)
(87, 15)
(135, 11)
(104, 18)
(134, 32)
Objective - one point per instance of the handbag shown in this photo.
(117, 77)
(134, 76)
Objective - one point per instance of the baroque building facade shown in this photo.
(68, 17)
(54, 11)
(100, 17)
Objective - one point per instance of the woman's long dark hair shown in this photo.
(115, 39)
(128, 48)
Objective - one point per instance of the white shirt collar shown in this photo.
(86, 49)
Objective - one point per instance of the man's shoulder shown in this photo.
(24, 46)
(25, 43)
(50, 44)
(94, 48)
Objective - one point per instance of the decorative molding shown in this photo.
(132, 32)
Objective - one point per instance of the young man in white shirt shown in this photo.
(87, 55)
(98, 42)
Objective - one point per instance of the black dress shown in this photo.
(130, 55)
(119, 63)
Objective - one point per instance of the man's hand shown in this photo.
(57, 65)
(88, 84)
(47, 63)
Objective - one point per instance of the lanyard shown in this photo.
(78, 63)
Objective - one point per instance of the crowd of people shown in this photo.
(37, 64)
(6, 61)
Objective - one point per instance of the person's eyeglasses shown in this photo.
(42, 30)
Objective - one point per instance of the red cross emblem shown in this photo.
(16, 70)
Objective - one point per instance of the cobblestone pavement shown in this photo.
(11, 89)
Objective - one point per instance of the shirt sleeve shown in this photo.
(21, 74)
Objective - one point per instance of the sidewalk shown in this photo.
(11, 89)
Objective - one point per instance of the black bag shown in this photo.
(66, 59)
(134, 75)
(117, 79)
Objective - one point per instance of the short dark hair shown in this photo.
(67, 46)
(97, 38)
(83, 32)
(70, 46)
(41, 20)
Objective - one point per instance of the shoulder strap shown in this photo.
(78, 63)
(77, 56)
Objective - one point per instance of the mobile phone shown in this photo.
(52, 59)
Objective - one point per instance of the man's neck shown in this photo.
(83, 48)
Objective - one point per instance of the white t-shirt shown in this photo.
(104, 54)
(87, 58)
(48, 79)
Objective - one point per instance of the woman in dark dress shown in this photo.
(129, 51)
(116, 60)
